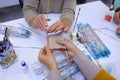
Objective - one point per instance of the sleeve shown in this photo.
(117, 9)
(30, 9)
(54, 75)
(116, 5)
(103, 75)
(88, 68)
(68, 10)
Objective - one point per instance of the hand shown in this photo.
(72, 49)
(47, 58)
(117, 17)
(39, 22)
(59, 25)
(55, 27)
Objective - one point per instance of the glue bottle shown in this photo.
(15, 31)
(24, 67)
(109, 14)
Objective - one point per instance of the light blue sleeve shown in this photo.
(116, 4)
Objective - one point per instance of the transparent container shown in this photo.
(15, 31)
(93, 43)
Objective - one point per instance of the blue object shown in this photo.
(23, 63)
(93, 43)
(21, 3)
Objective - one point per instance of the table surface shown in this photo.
(91, 13)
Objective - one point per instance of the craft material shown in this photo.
(7, 53)
(15, 31)
(92, 42)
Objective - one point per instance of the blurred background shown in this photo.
(11, 9)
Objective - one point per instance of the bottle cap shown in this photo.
(23, 63)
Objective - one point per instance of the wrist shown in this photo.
(76, 51)
(66, 22)
(53, 67)
(31, 21)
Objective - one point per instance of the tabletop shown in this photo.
(92, 13)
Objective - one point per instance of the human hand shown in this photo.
(72, 49)
(47, 58)
(59, 25)
(116, 17)
(55, 27)
(39, 22)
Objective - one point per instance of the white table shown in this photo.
(92, 13)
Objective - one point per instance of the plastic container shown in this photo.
(108, 15)
(15, 31)
(24, 67)
(93, 43)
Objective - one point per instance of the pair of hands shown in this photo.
(117, 17)
(47, 58)
(40, 22)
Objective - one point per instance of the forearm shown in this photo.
(68, 10)
(30, 9)
(103, 75)
(54, 75)
(88, 68)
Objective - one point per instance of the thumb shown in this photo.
(47, 49)
(65, 29)
(61, 42)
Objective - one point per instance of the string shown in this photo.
(48, 5)
(99, 30)
(26, 47)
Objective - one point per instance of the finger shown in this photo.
(67, 40)
(47, 49)
(61, 42)
(59, 28)
(41, 21)
(65, 29)
(36, 24)
(44, 21)
(41, 54)
(53, 27)
(116, 17)
(39, 25)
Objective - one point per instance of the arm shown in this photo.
(68, 11)
(66, 18)
(30, 11)
(91, 70)
(88, 68)
(54, 75)
(48, 59)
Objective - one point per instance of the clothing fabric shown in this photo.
(32, 8)
(116, 4)
(90, 70)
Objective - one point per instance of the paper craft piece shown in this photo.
(52, 42)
